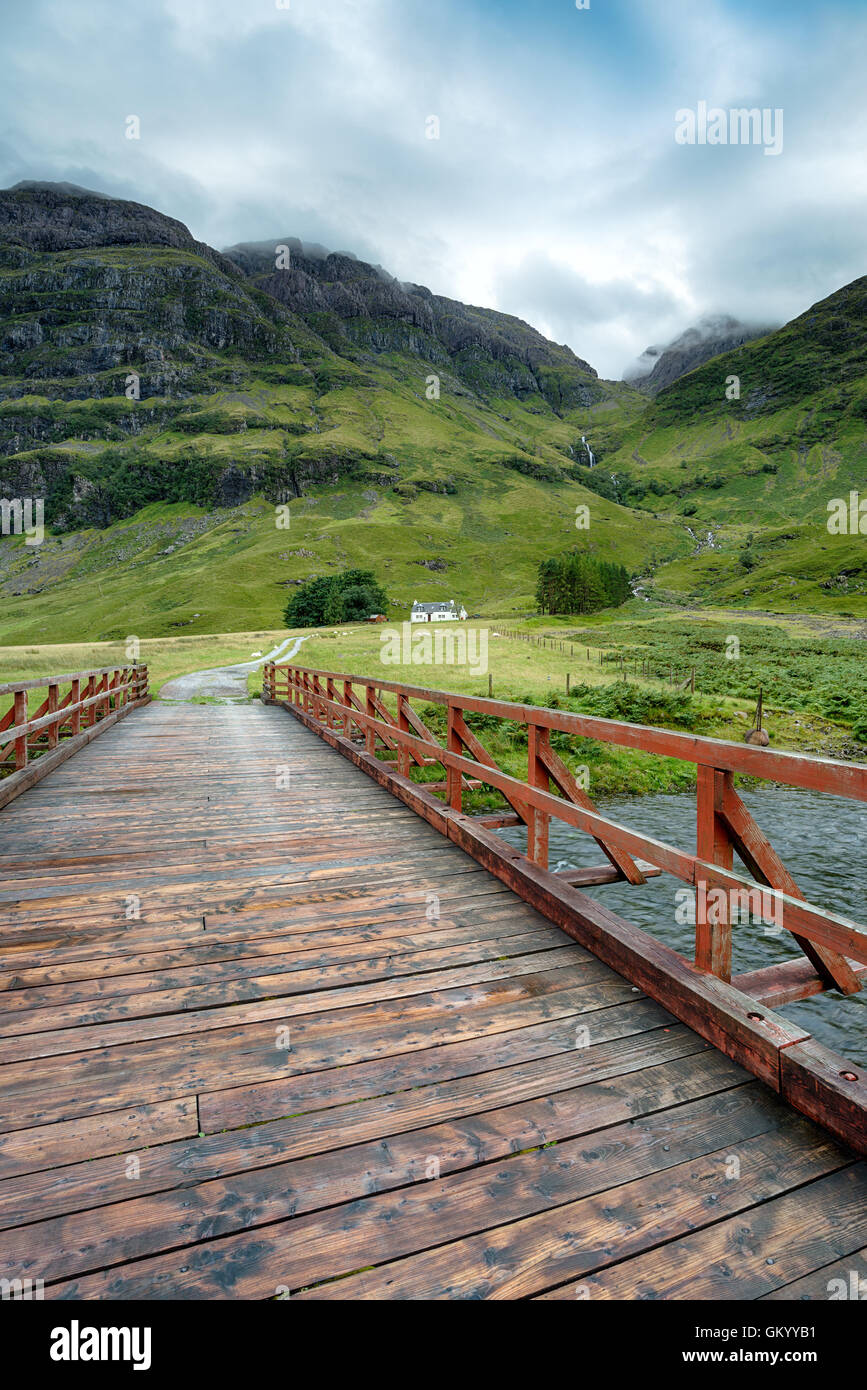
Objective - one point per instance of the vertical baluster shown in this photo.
(713, 940)
(20, 717)
(53, 729)
(370, 734)
(453, 776)
(402, 723)
(537, 776)
(75, 721)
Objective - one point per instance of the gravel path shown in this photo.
(225, 683)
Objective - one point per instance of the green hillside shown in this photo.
(167, 400)
(757, 472)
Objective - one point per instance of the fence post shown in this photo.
(713, 940)
(53, 729)
(75, 722)
(537, 776)
(370, 734)
(453, 776)
(403, 725)
(20, 717)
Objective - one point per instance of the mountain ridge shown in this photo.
(405, 427)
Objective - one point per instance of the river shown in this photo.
(821, 840)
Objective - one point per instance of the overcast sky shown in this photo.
(556, 190)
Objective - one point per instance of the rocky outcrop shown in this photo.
(658, 367)
(64, 217)
(358, 307)
(102, 297)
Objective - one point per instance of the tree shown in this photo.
(577, 583)
(339, 598)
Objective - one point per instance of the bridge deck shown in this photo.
(469, 1104)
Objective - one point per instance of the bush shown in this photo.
(339, 598)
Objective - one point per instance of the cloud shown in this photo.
(555, 191)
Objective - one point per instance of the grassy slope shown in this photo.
(391, 479)
(232, 567)
(764, 466)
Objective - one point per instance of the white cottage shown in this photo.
(437, 612)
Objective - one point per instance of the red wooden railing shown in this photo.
(78, 706)
(835, 946)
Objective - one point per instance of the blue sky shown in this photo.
(556, 189)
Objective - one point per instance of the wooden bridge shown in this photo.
(267, 1029)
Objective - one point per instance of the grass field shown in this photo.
(165, 657)
(810, 680)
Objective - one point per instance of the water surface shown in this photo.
(821, 840)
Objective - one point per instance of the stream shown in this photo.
(821, 840)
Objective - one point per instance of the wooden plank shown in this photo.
(538, 1188)
(109, 1078)
(118, 1132)
(287, 998)
(599, 1014)
(59, 1248)
(357, 1111)
(547, 1248)
(801, 1230)
(844, 1280)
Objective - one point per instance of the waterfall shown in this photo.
(589, 450)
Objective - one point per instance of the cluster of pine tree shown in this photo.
(576, 583)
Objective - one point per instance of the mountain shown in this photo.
(359, 309)
(658, 367)
(144, 371)
(167, 399)
(749, 449)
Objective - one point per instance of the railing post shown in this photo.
(53, 729)
(75, 722)
(370, 734)
(713, 939)
(453, 775)
(20, 717)
(88, 714)
(537, 776)
(402, 724)
(330, 715)
(347, 700)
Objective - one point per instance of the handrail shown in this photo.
(39, 682)
(32, 746)
(774, 765)
(724, 825)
